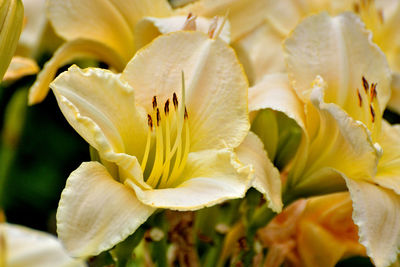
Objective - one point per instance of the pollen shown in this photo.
(359, 98)
(365, 84)
(371, 108)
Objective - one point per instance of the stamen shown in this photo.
(166, 107)
(359, 98)
(373, 91)
(380, 16)
(158, 117)
(148, 143)
(150, 121)
(371, 108)
(365, 84)
(186, 114)
(154, 102)
(213, 27)
(175, 101)
(190, 23)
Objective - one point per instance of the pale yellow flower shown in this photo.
(110, 31)
(161, 146)
(21, 246)
(337, 88)
(315, 232)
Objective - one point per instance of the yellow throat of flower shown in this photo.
(168, 143)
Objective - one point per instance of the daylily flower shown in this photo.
(21, 246)
(163, 142)
(11, 16)
(317, 231)
(339, 85)
(109, 31)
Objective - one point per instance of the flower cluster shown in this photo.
(240, 132)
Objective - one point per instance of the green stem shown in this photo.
(123, 251)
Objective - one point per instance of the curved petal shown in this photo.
(388, 174)
(96, 212)
(65, 54)
(20, 67)
(244, 15)
(96, 20)
(335, 144)
(216, 87)
(150, 27)
(394, 102)
(274, 92)
(28, 247)
(256, 59)
(102, 110)
(209, 178)
(340, 50)
(377, 214)
(267, 179)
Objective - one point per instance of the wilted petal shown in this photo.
(267, 179)
(209, 178)
(28, 247)
(96, 212)
(340, 50)
(377, 214)
(20, 67)
(65, 54)
(216, 88)
(150, 27)
(102, 110)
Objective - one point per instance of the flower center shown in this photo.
(168, 143)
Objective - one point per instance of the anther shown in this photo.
(166, 107)
(150, 121)
(365, 84)
(380, 15)
(158, 117)
(154, 102)
(186, 114)
(175, 101)
(359, 98)
(356, 8)
(372, 113)
(373, 91)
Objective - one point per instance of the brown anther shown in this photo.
(359, 98)
(166, 107)
(190, 23)
(213, 27)
(373, 91)
(356, 8)
(158, 117)
(365, 84)
(150, 121)
(186, 114)
(380, 15)
(371, 108)
(175, 101)
(154, 102)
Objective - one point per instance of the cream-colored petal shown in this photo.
(274, 92)
(96, 212)
(97, 20)
(209, 178)
(20, 67)
(267, 179)
(377, 214)
(28, 247)
(65, 54)
(101, 108)
(260, 52)
(150, 27)
(335, 145)
(388, 174)
(244, 15)
(394, 102)
(340, 50)
(11, 17)
(216, 88)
